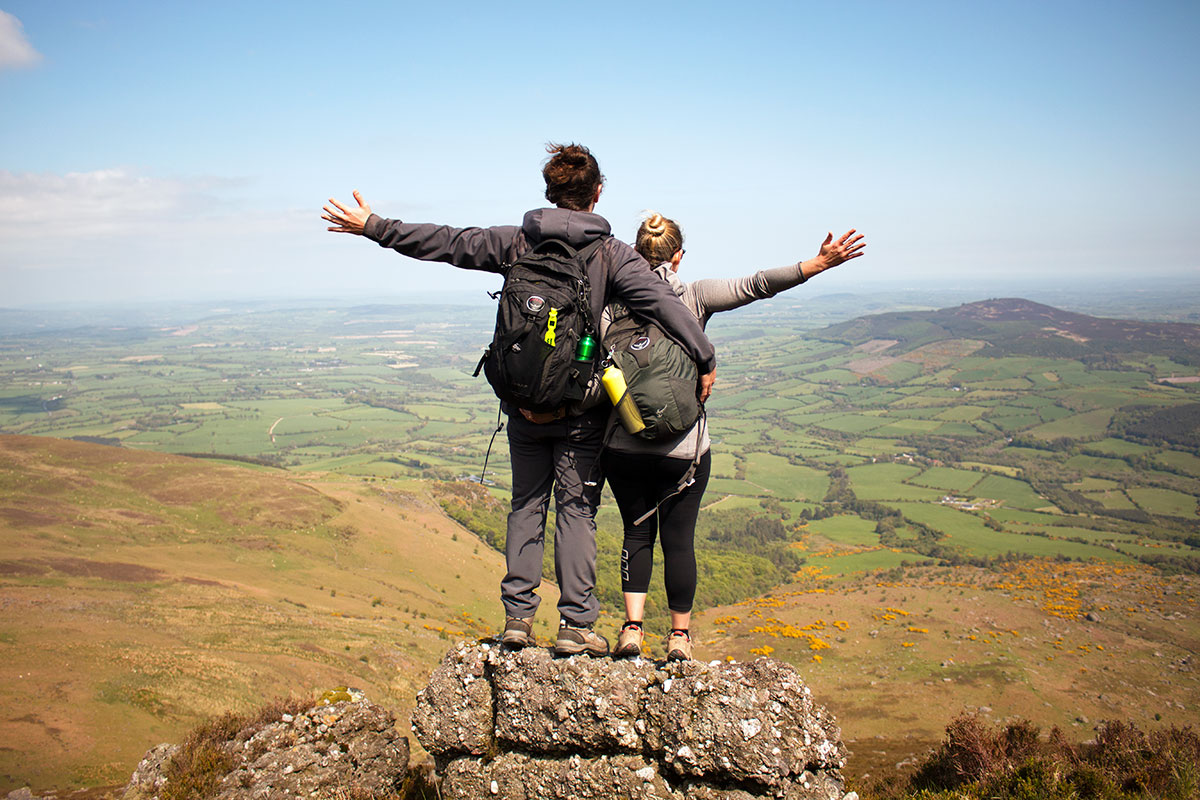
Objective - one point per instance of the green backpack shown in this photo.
(660, 374)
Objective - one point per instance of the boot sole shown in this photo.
(516, 642)
(629, 651)
(574, 649)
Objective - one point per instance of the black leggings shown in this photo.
(638, 482)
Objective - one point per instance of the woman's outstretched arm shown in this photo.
(715, 294)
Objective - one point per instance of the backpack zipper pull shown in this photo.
(551, 324)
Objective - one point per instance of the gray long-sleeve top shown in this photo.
(615, 270)
(705, 298)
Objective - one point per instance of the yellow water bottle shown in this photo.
(614, 384)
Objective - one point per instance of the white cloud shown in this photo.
(115, 234)
(15, 49)
(119, 235)
(102, 203)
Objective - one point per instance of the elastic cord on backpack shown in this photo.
(488, 454)
(689, 477)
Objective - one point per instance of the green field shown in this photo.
(1078, 425)
(958, 481)
(1118, 447)
(1184, 462)
(967, 533)
(1164, 501)
(1111, 498)
(886, 481)
(846, 530)
(385, 393)
(1011, 492)
(782, 479)
(865, 562)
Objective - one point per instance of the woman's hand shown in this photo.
(833, 253)
(347, 220)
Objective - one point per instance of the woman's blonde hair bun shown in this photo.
(656, 224)
(658, 238)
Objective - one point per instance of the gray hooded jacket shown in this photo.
(615, 271)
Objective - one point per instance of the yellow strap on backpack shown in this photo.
(551, 324)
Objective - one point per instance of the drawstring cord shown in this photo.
(488, 454)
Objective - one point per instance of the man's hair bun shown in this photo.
(572, 176)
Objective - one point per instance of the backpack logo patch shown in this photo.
(535, 303)
(640, 343)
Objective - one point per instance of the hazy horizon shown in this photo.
(160, 153)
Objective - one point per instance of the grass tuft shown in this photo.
(205, 756)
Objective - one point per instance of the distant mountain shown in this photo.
(1022, 327)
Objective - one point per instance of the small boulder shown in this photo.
(346, 746)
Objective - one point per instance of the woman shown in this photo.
(642, 473)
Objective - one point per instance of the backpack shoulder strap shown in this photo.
(586, 251)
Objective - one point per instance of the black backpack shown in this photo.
(660, 375)
(544, 311)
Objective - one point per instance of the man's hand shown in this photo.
(347, 220)
(833, 253)
(706, 384)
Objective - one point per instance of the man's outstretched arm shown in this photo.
(470, 248)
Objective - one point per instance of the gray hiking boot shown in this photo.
(517, 633)
(575, 639)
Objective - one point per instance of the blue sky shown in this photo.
(154, 151)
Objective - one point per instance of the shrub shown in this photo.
(967, 753)
(1015, 762)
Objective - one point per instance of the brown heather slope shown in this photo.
(896, 657)
(141, 593)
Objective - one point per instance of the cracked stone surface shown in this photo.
(569, 705)
(539, 726)
(454, 712)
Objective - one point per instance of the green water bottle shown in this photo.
(586, 349)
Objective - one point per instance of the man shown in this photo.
(555, 450)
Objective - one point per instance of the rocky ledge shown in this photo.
(347, 746)
(522, 724)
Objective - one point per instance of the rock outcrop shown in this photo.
(348, 746)
(523, 725)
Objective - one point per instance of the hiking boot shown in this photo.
(629, 644)
(679, 646)
(518, 632)
(575, 639)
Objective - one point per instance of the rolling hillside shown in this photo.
(141, 593)
(958, 465)
(1023, 327)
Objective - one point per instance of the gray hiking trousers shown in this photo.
(557, 456)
